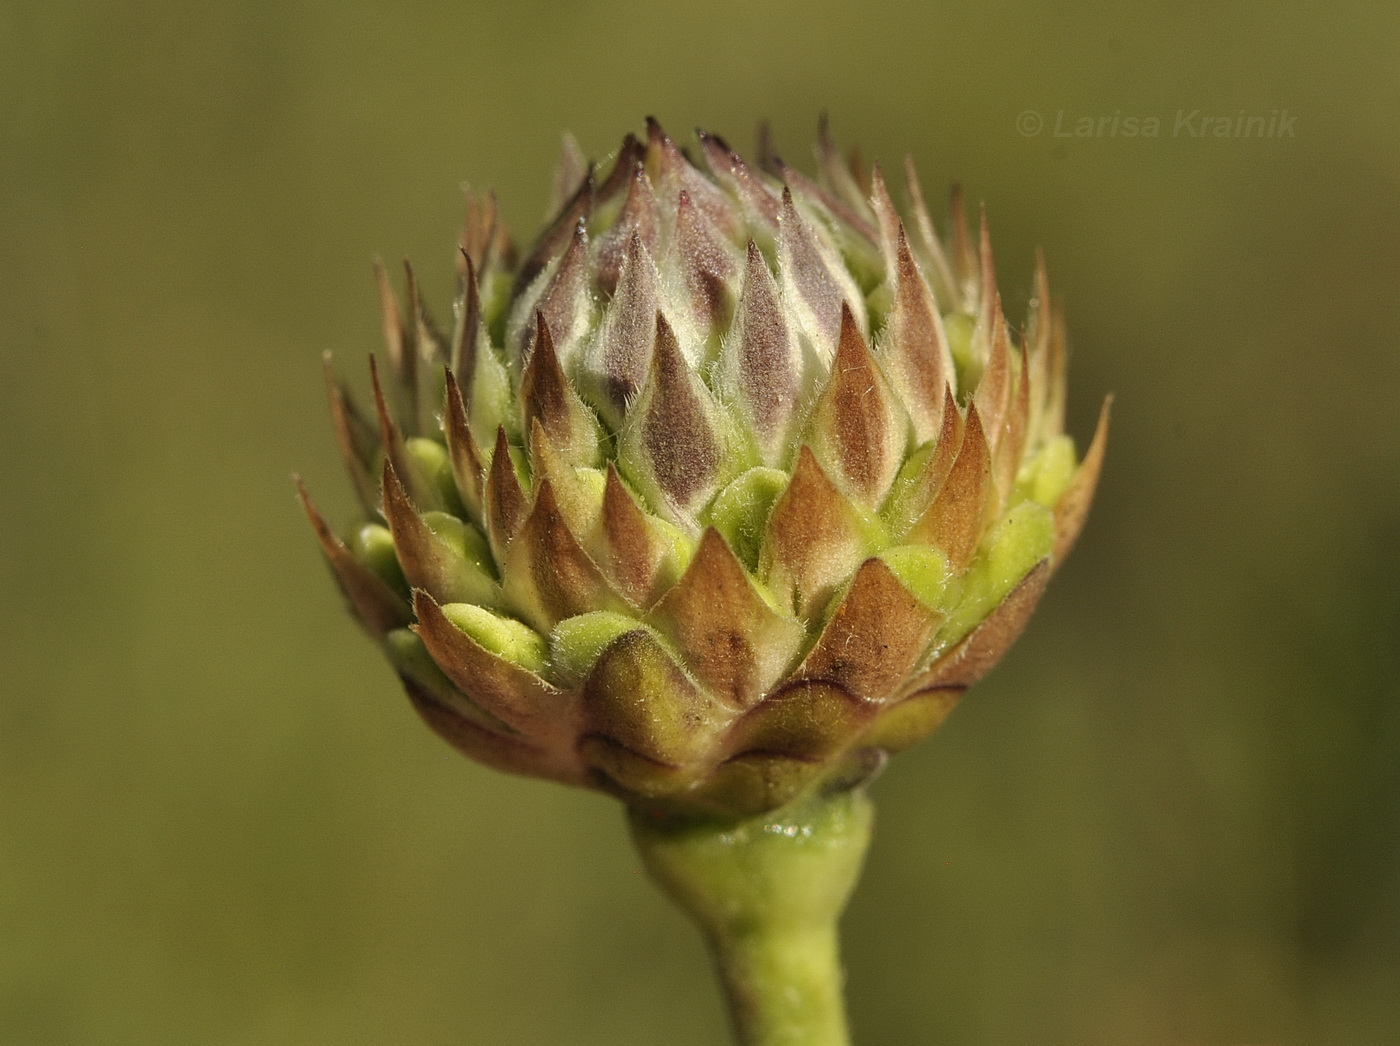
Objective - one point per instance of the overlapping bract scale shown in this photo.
(730, 483)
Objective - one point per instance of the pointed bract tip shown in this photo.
(387, 429)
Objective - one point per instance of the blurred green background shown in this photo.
(1171, 817)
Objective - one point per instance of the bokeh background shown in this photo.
(1171, 817)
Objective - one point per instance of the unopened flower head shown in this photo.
(730, 485)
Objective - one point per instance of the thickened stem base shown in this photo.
(768, 892)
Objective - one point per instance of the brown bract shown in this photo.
(733, 641)
(374, 604)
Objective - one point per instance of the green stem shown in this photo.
(768, 892)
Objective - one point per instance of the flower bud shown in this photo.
(736, 481)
